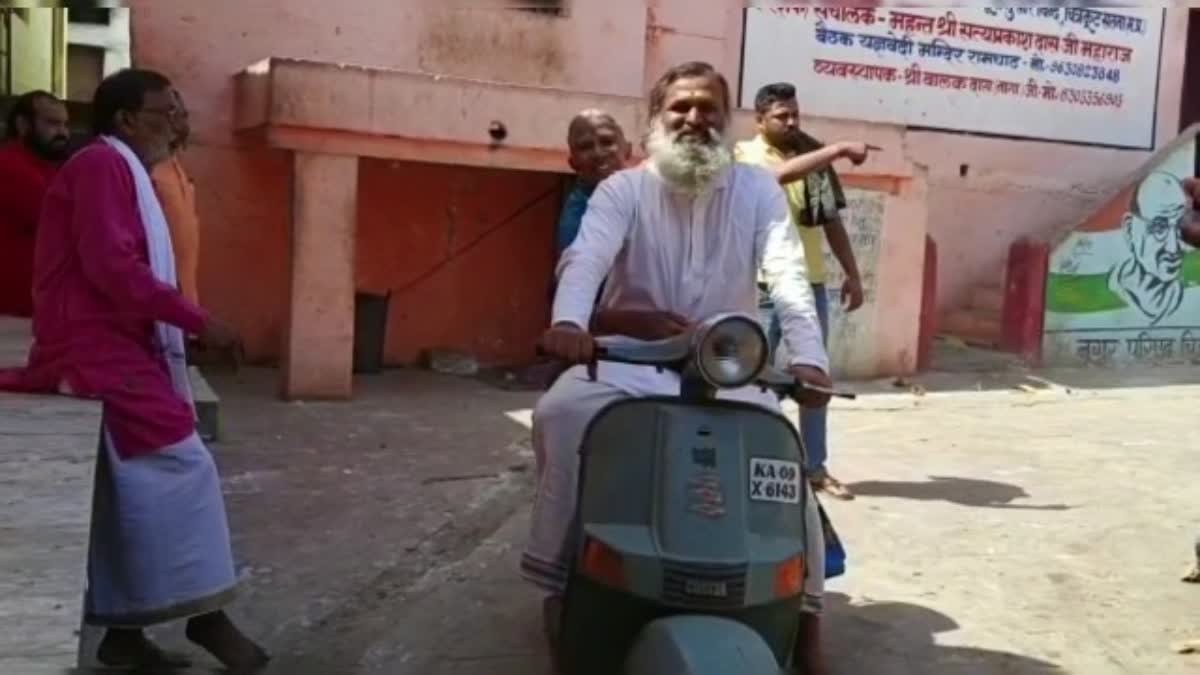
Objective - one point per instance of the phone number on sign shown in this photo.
(1088, 97)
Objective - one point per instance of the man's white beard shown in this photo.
(686, 164)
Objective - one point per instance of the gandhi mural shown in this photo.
(1150, 278)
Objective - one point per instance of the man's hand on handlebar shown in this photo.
(570, 343)
(816, 377)
(639, 324)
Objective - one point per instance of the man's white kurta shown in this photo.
(696, 257)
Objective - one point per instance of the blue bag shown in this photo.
(835, 553)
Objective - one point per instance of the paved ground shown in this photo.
(1015, 533)
(340, 510)
(1000, 530)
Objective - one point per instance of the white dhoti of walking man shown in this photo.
(678, 239)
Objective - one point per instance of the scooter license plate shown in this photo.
(774, 480)
(706, 589)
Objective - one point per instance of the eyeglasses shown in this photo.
(170, 113)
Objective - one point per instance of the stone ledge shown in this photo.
(353, 110)
(48, 450)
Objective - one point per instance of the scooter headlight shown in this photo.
(730, 350)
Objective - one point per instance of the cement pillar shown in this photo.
(318, 350)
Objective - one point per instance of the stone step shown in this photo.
(208, 419)
(973, 328)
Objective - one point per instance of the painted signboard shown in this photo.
(1074, 74)
(1122, 286)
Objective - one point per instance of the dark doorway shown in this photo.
(1190, 113)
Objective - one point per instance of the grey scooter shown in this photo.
(689, 536)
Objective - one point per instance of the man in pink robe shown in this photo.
(160, 542)
(37, 142)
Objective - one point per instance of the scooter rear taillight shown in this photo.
(601, 563)
(789, 577)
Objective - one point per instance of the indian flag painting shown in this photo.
(1122, 286)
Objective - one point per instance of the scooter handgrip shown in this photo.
(850, 396)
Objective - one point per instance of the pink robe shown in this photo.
(95, 304)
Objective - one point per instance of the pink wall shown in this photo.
(1019, 188)
(615, 47)
(243, 187)
(468, 260)
(598, 48)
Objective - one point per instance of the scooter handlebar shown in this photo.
(771, 378)
(786, 384)
(848, 395)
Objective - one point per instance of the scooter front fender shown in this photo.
(691, 644)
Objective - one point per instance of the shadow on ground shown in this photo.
(963, 491)
(340, 511)
(899, 638)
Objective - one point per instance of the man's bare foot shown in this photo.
(219, 637)
(123, 648)
(822, 482)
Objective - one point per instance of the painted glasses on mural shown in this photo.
(1127, 276)
(1151, 277)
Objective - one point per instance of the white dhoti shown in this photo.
(559, 422)
(160, 541)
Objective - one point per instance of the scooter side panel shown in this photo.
(708, 499)
(668, 486)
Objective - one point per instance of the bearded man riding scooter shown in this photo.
(679, 238)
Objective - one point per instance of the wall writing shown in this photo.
(1057, 73)
(852, 335)
(1122, 286)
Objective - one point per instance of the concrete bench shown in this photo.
(14, 350)
(48, 450)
